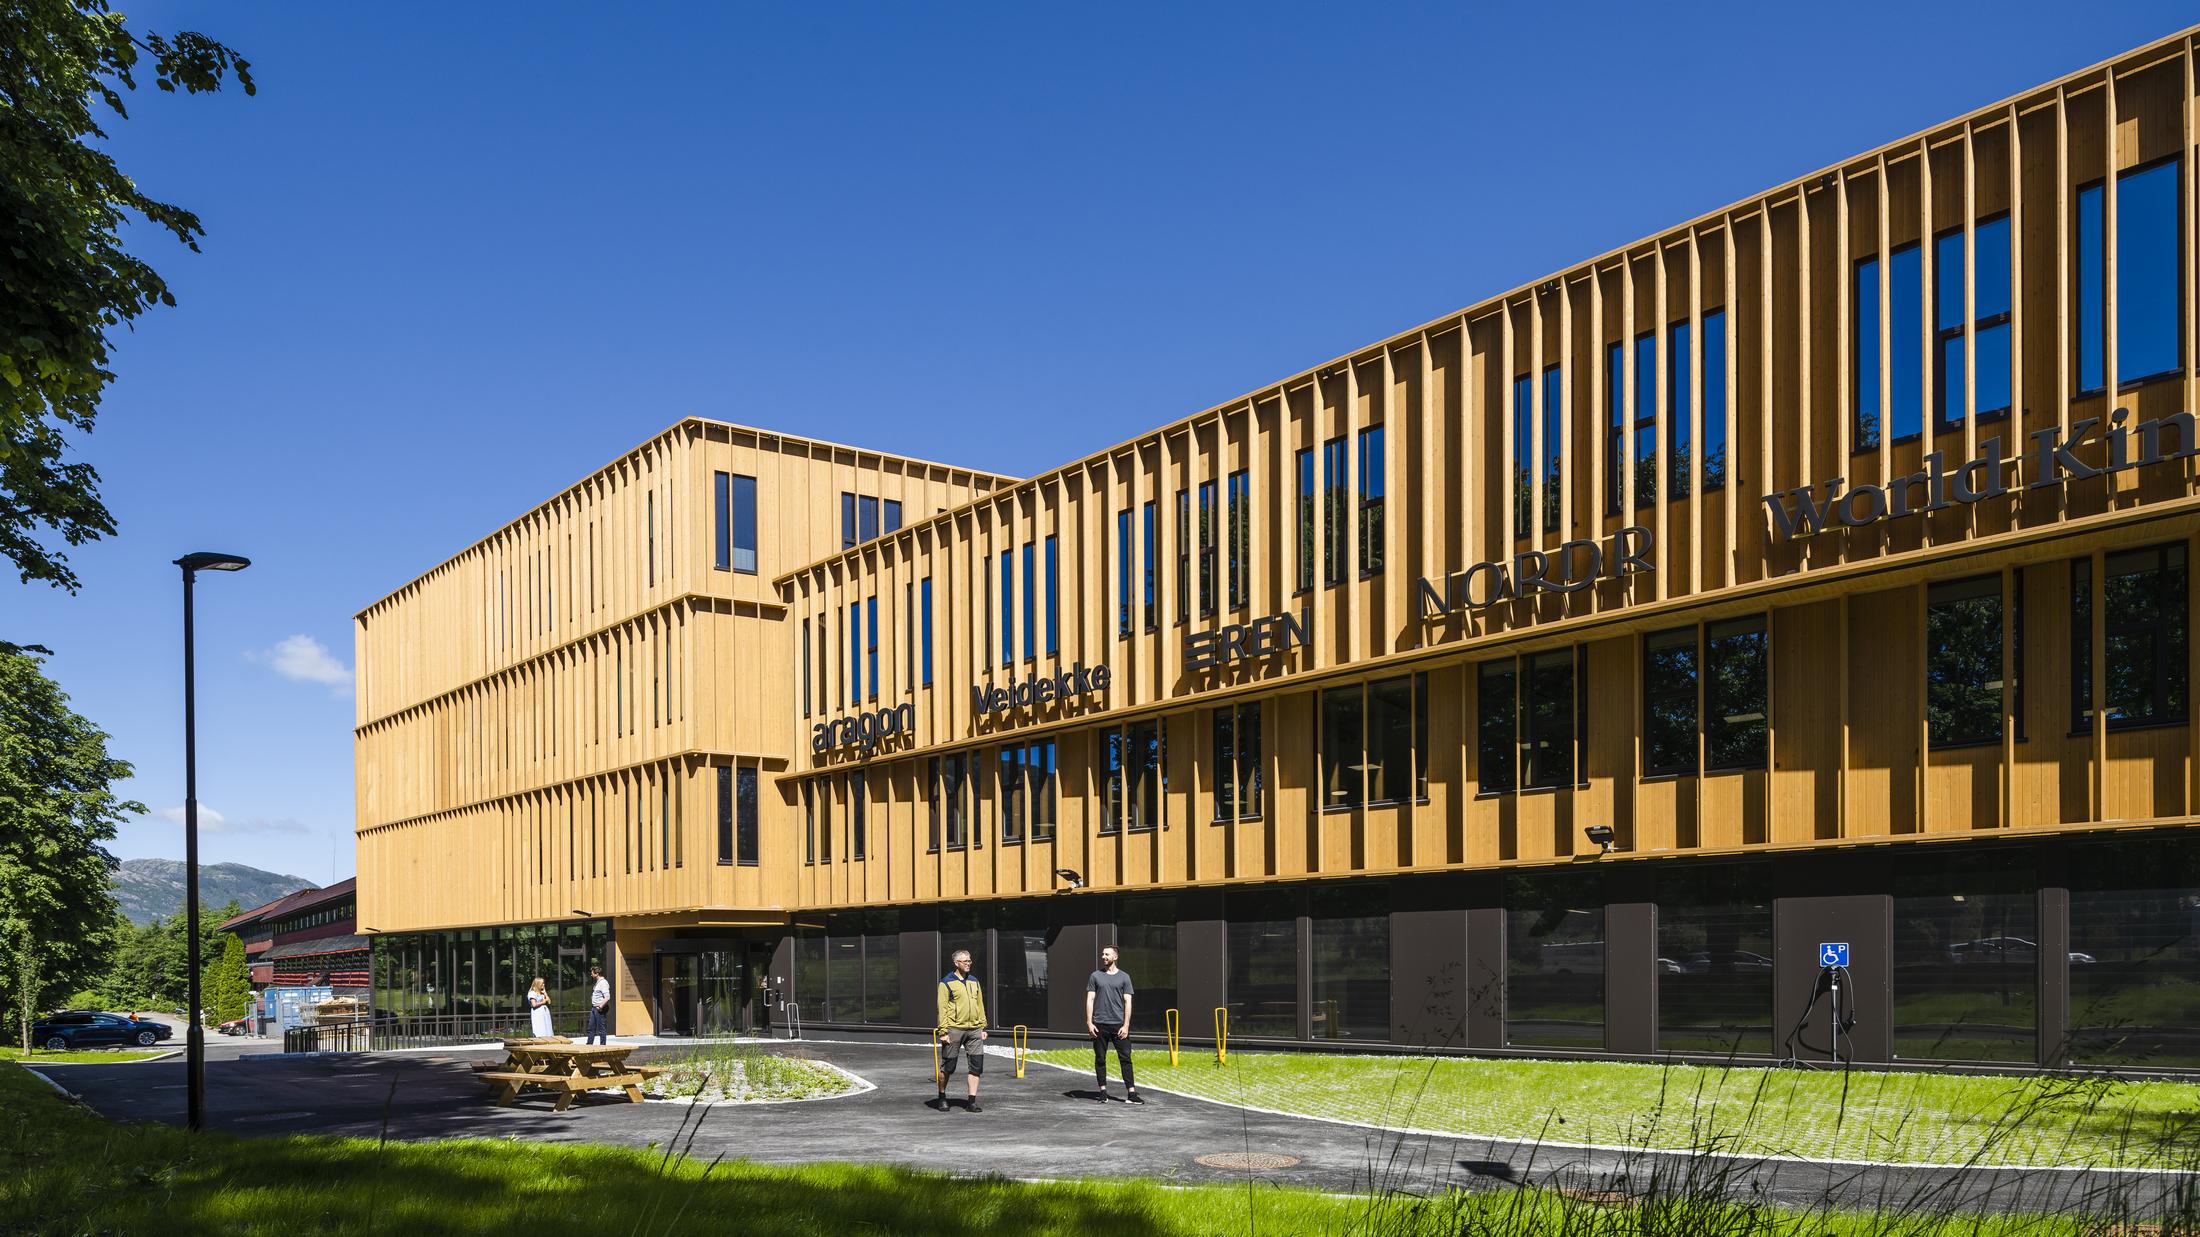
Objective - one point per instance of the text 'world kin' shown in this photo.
(2050, 459)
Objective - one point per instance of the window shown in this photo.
(1554, 962)
(650, 506)
(1371, 501)
(1344, 727)
(1734, 733)
(725, 814)
(1990, 299)
(1963, 661)
(946, 775)
(924, 622)
(2143, 593)
(1669, 684)
(1261, 962)
(1497, 743)
(1123, 573)
(1236, 775)
(805, 667)
(1548, 713)
(722, 522)
(1525, 465)
(870, 643)
(1183, 556)
(856, 816)
(1152, 551)
(1039, 768)
(1966, 957)
(847, 519)
(1054, 596)
(1011, 793)
(932, 804)
(1133, 761)
(1714, 400)
(809, 823)
(1206, 548)
(1349, 963)
(1375, 742)
(866, 518)
(1008, 608)
(745, 815)
(1642, 432)
(909, 639)
(855, 652)
(1240, 534)
(1679, 400)
(2134, 955)
(1306, 518)
(1523, 453)
(2148, 258)
(1031, 605)
(891, 520)
(1145, 931)
(1714, 985)
(1333, 486)
(824, 821)
(1904, 416)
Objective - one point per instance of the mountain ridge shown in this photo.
(149, 889)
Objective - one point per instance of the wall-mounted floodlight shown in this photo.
(1600, 836)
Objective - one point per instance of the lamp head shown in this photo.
(208, 560)
(1075, 880)
(1601, 836)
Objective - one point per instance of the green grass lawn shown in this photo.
(65, 1170)
(1948, 1118)
(39, 1056)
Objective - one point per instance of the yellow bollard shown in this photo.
(938, 1082)
(1174, 1021)
(1222, 1035)
(1020, 1037)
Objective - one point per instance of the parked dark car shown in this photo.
(78, 1029)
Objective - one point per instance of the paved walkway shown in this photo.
(1043, 1125)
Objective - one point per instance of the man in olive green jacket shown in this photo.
(962, 1027)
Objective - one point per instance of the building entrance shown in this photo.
(709, 988)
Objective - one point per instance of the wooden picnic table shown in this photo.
(567, 1069)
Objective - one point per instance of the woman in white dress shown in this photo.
(538, 1008)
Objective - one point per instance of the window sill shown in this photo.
(2119, 728)
(1012, 841)
(1235, 820)
(1960, 745)
(2126, 386)
(1662, 775)
(1735, 769)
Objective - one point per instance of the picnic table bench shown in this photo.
(567, 1069)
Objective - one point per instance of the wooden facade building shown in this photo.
(1812, 573)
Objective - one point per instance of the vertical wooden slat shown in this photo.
(1731, 557)
(1925, 254)
(1767, 480)
(1970, 300)
(1805, 422)
(1661, 312)
(2062, 272)
(1886, 327)
(1844, 319)
(1694, 361)
(2111, 162)
(1627, 364)
(2016, 292)
(1430, 563)
(1509, 467)
(1569, 456)
(1601, 417)
(1538, 449)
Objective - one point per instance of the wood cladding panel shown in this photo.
(478, 681)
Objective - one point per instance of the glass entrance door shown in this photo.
(703, 993)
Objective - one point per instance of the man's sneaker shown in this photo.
(1134, 1098)
(974, 1106)
(941, 1102)
(1101, 1095)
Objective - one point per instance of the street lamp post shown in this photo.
(195, 1039)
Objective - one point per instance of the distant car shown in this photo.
(81, 1029)
(1989, 949)
(1666, 966)
(1704, 962)
(236, 1026)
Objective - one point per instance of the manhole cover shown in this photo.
(1247, 1161)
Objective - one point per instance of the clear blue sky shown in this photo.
(457, 258)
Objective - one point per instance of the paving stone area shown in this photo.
(1043, 1125)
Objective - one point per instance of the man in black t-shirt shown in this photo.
(1108, 1020)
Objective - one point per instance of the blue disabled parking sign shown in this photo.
(1833, 953)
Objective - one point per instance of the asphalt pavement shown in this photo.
(1045, 1124)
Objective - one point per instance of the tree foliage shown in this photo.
(68, 279)
(151, 965)
(57, 807)
(229, 981)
